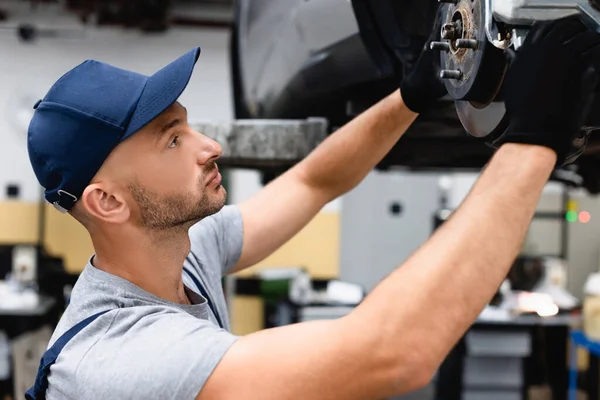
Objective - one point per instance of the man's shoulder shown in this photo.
(141, 348)
(121, 303)
(111, 320)
(122, 329)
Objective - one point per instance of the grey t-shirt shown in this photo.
(147, 347)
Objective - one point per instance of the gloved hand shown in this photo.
(423, 86)
(549, 85)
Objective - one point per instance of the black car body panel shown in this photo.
(297, 48)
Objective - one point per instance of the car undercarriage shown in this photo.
(300, 77)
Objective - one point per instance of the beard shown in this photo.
(167, 211)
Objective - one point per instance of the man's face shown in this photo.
(169, 171)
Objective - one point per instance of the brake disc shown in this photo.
(486, 123)
(472, 68)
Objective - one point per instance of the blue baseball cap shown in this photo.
(88, 112)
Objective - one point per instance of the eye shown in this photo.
(174, 142)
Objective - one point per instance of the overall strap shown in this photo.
(38, 391)
(205, 295)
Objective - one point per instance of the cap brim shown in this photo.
(162, 89)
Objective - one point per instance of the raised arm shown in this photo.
(282, 208)
(393, 342)
(341, 162)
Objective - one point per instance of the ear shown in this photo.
(105, 205)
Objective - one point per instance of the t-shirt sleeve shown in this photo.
(221, 233)
(158, 357)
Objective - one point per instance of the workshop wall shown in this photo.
(31, 69)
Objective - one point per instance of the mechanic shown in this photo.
(147, 317)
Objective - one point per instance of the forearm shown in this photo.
(347, 155)
(287, 204)
(423, 307)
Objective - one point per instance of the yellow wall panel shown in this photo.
(247, 315)
(19, 222)
(316, 248)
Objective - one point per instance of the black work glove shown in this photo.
(550, 84)
(423, 87)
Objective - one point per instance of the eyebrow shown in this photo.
(169, 126)
(159, 134)
(165, 128)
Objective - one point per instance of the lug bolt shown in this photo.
(445, 46)
(467, 43)
(450, 74)
(448, 31)
(451, 30)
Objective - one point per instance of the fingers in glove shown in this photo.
(592, 62)
(583, 103)
(565, 29)
(583, 44)
(591, 55)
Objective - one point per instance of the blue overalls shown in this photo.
(38, 391)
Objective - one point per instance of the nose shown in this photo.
(210, 150)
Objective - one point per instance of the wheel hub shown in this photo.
(473, 71)
(471, 67)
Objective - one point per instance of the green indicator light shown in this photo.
(571, 216)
